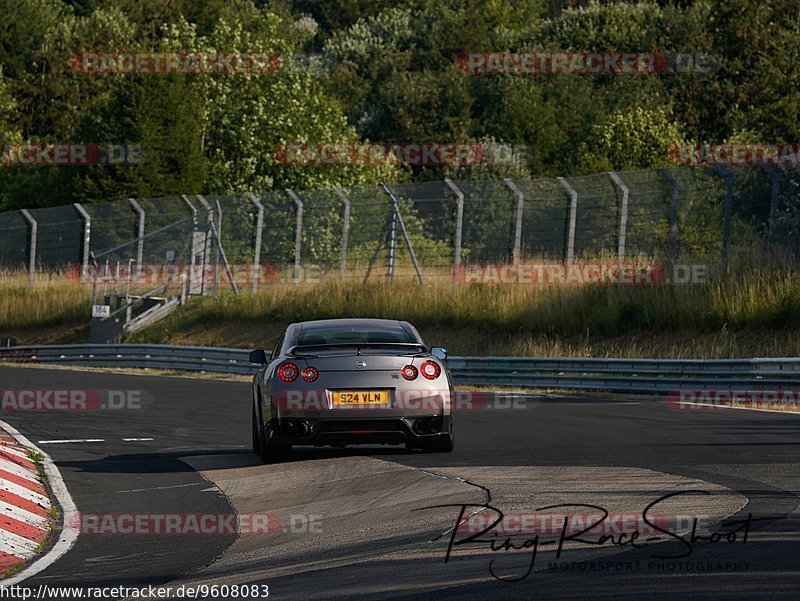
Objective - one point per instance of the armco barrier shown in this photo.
(639, 376)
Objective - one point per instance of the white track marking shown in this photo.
(68, 441)
(161, 487)
(137, 439)
(23, 515)
(25, 493)
(68, 535)
(17, 470)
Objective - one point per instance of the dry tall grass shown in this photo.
(752, 308)
(53, 300)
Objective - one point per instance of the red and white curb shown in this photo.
(25, 507)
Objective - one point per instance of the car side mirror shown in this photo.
(439, 352)
(258, 357)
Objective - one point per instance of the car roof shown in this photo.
(293, 331)
(350, 321)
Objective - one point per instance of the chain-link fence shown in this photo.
(700, 214)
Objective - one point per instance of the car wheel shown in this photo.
(273, 452)
(256, 436)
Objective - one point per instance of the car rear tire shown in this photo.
(273, 452)
(256, 436)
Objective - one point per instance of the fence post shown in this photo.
(517, 219)
(623, 216)
(345, 229)
(459, 221)
(257, 249)
(219, 235)
(298, 234)
(87, 237)
(573, 217)
(673, 215)
(397, 219)
(726, 223)
(140, 233)
(775, 176)
(206, 240)
(32, 258)
(193, 288)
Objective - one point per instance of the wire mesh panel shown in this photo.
(787, 222)
(370, 210)
(60, 237)
(429, 214)
(14, 240)
(597, 219)
(278, 232)
(168, 226)
(649, 206)
(700, 214)
(238, 227)
(323, 227)
(545, 219)
(345, 233)
(750, 208)
(489, 221)
(113, 224)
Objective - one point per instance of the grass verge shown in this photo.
(749, 310)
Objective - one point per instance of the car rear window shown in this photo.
(349, 334)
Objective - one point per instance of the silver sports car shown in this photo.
(351, 381)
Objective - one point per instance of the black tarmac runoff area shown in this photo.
(379, 522)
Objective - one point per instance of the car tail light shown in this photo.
(288, 372)
(310, 374)
(409, 372)
(430, 370)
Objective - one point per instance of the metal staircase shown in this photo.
(132, 306)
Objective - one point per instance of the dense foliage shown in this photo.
(373, 70)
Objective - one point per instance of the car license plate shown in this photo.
(349, 398)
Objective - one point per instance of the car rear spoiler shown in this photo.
(301, 349)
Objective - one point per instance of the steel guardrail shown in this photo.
(640, 376)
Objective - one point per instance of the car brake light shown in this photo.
(409, 372)
(288, 372)
(430, 370)
(310, 374)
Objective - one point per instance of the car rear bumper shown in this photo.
(412, 431)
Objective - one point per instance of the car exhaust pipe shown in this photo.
(296, 428)
(421, 426)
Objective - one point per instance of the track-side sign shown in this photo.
(101, 311)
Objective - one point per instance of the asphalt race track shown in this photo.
(369, 522)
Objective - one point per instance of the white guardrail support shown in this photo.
(656, 377)
(257, 248)
(573, 218)
(459, 221)
(139, 233)
(32, 249)
(87, 237)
